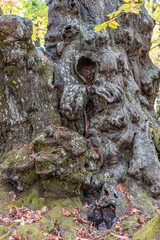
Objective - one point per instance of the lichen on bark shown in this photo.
(28, 102)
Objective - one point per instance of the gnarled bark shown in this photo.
(27, 99)
(110, 83)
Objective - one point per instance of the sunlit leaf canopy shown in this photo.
(153, 8)
(36, 10)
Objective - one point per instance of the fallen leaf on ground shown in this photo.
(66, 213)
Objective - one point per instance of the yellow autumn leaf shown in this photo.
(128, 1)
(101, 26)
(137, 6)
(117, 13)
(136, 12)
(126, 7)
(114, 14)
(113, 24)
(13, 206)
(117, 226)
(34, 37)
(105, 29)
(110, 14)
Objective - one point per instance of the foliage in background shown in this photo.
(36, 10)
(154, 10)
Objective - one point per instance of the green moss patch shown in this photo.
(151, 231)
(31, 232)
(155, 135)
(31, 199)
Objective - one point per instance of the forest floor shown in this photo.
(67, 219)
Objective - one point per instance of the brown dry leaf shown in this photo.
(119, 236)
(37, 215)
(78, 209)
(95, 149)
(140, 220)
(87, 206)
(66, 212)
(125, 234)
(117, 228)
(8, 223)
(45, 209)
(13, 206)
(135, 210)
(87, 126)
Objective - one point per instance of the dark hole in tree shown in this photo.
(88, 113)
(86, 69)
(68, 28)
(106, 193)
(72, 4)
(115, 195)
(86, 165)
(89, 107)
(69, 31)
(9, 186)
(103, 217)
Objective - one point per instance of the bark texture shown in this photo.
(109, 84)
(89, 119)
(28, 103)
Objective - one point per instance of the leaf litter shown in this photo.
(19, 216)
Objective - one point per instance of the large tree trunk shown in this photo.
(109, 82)
(102, 92)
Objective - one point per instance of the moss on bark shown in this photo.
(151, 231)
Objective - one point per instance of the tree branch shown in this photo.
(158, 45)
